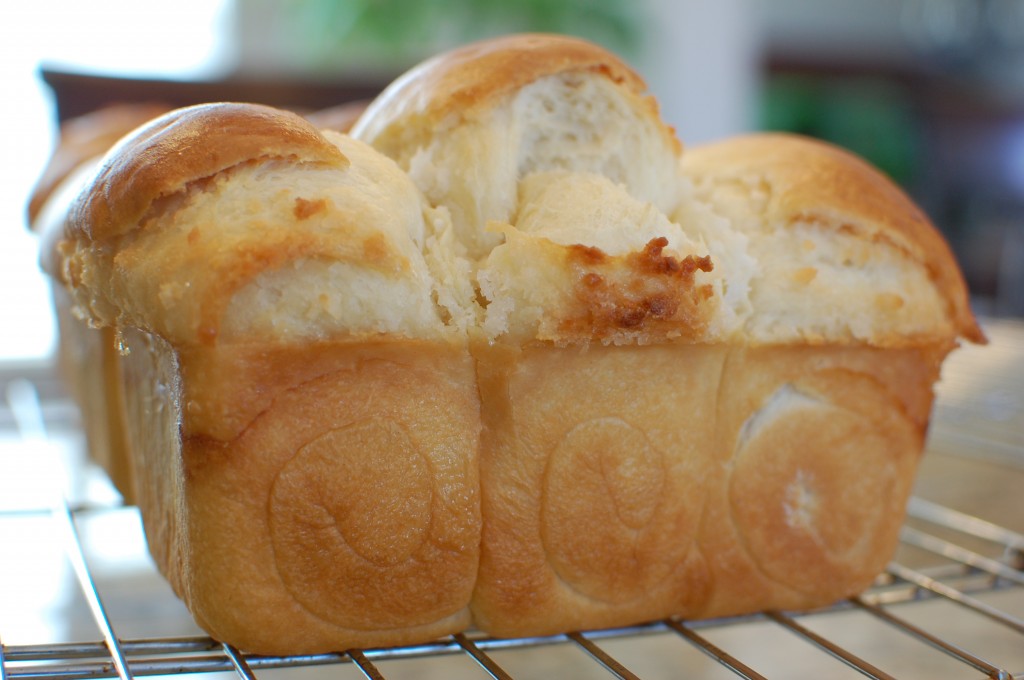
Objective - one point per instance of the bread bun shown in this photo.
(468, 124)
(304, 424)
(506, 357)
(841, 253)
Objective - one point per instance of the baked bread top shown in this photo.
(83, 139)
(189, 145)
(523, 190)
(469, 124)
(243, 223)
(468, 82)
(839, 251)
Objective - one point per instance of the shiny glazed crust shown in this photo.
(161, 158)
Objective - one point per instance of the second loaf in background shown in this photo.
(507, 357)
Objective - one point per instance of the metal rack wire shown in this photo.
(967, 575)
(974, 571)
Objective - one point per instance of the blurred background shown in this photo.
(931, 91)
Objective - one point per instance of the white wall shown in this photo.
(702, 63)
(105, 36)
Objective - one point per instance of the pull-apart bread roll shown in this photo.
(305, 425)
(508, 358)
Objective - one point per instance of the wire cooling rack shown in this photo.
(950, 606)
(970, 581)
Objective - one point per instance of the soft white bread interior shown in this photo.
(835, 252)
(775, 239)
(469, 124)
(508, 357)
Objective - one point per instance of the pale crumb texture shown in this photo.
(571, 121)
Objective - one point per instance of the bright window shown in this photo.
(109, 37)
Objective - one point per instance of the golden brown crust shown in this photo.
(780, 475)
(812, 435)
(576, 506)
(342, 510)
(457, 85)
(185, 146)
(83, 139)
(644, 294)
(813, 182)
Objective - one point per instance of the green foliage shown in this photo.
(872, 117)
(325, 31)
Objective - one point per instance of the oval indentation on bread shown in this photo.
(812, 484)
(603, 485)
(381, 510)
(349, 513)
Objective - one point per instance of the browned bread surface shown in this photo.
(343, 511)
(185, 146)
(692, 480)
(83, 139)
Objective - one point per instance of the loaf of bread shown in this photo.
(506, 357)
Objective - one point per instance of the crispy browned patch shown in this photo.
(305, 209)
(643, 293)
(587, 254)
(651, 261)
